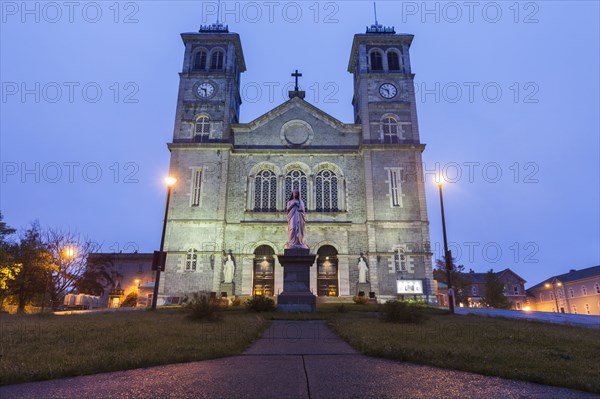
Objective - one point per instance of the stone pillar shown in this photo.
(296, 295)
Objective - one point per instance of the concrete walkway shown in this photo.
(582, 320)
(293, 360)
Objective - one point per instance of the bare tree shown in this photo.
(69, 253)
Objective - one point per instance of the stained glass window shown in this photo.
(326, 186)
(265, 191)
(296, 180)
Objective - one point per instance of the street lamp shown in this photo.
(170, 181)
(555, 283)
(447, 253)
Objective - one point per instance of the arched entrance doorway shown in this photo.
(327, 271)
(264, 271)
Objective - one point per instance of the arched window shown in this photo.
(265, 191)
(216, 61)
(191, 260)
(327, 271)
(200, 60)
(389, 126)
(296, 180)
(264, 268)
(393, 61)
(326, 191)
(202, 128)
(376, 61)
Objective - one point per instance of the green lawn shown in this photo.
(34, 347)
(517, 349)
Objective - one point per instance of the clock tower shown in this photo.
(209, 90)
(385, 108)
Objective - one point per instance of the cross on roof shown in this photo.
(296, 75)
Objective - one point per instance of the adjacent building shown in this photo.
(129, 272)
(576, 292)
(514, 289)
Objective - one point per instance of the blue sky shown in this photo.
(96, 160)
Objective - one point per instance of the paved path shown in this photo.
(293, 360)
(548, 317)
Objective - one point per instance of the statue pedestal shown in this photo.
(228, 288)
(296, 295)
(364, 287)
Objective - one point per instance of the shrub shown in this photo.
(130, 301)
(260, 304)
(401, 312)
(201, 307)
(360, 300)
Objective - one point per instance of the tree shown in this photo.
(461, 282)
(9, 269)
(494, 292)
(33, 255)
(69, 254)
(97, 276)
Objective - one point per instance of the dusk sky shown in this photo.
(507, 99)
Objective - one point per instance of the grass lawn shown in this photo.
(517, 349)
(34, 347)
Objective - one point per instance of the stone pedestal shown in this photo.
(296, 295)
(364, 287)
(228, 288)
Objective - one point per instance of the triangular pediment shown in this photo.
(296, 123)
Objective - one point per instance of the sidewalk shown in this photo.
(294, 359)
(582, 320)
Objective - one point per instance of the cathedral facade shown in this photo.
(362, 182)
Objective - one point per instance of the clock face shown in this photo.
(205, 90)
(388, 90)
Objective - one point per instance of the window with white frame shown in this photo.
(541, 297)
(474, 291)
(574, 309)
(587, 308)
(515, 289)
(551, 295)
(196, 192)
(326, 187)
(583, 290)
(265, 191)
(390, 129)
(395, 187)
(571, 292)
(202, 128)
(191, 260)
(597, 288)
(400, 260)
(296, 180)
(560, 294)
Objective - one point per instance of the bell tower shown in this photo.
(209, 91)
(384, 105)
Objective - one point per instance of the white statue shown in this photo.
(363, 269)
(228, 270)
(296, 212)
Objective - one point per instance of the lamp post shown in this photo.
(170, 183)
(447, 253)
(555, 283)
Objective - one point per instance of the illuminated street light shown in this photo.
(170, 181)
(69, 252)
(555, 283)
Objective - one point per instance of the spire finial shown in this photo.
(218, 11)
(375, 9)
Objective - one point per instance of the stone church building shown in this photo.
(362, 182)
